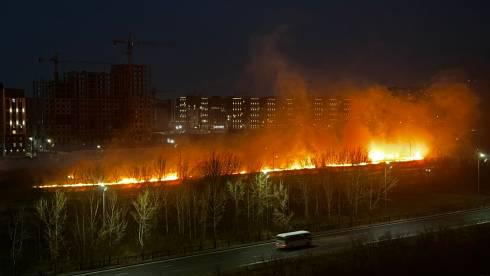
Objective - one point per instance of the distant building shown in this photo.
(219, 116)
(253, 121)
(216, 114)
(13, 109)
(238, 113)
(131, 84)
(269, 112)
(92, 108)
(319, 111)
(163, 115)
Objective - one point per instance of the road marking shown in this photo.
(254, 263)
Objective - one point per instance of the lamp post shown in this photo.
(481, 155)
(50, 143)
(32, 146)
(104, 189)
(386, 186)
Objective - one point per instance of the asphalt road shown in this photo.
(208, 263)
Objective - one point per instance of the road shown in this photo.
(223, 260)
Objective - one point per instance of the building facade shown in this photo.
(14, 110)
(92, 108)
(214, 114)
(130, 83)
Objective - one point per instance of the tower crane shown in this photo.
(55, 59)
(131, 43)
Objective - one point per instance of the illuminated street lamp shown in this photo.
(31, 140)
(481, 156)
(104, 189)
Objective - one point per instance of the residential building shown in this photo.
(13, 109)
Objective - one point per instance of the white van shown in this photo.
(294, 239)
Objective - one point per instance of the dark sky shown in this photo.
(402, 43)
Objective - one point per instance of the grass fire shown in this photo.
(381, 127)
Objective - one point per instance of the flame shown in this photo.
(378, 153)
(123, 181)
(381, 152)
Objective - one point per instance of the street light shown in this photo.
(483, 156)
(386, 190)
(104, 189)
(31, 139)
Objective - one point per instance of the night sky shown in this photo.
(386, 42)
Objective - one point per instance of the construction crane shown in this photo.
(55, 59)
(131, 43)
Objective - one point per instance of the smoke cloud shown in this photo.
(435, 121)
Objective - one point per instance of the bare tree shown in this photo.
(262, 201)
(164, 203)
(144, 212)
(236, 189)
(214, 169)
(305, 192)
(216, 209)
(52, 214)
(281, 216)
(180, 198)
(203, 216)
(115, 223)
(145, 171)
(355, 190)
(17, 234)
(161, 167)
(87, 227)
(328, 191)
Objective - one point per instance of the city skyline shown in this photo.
(245, 138)
(399, 45)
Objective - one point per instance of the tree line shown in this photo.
(79, 228)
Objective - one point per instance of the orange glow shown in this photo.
(377, 153)
(123, 181)
(382, 152)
